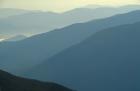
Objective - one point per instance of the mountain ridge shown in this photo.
(40, 22)
(108, 60)
(15, 38)
(37, 48)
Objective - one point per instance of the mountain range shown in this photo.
(87, 49)
(8, 12)
(106, 61)
(34, 50)
(35, 22)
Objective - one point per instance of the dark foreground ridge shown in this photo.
(9, 82)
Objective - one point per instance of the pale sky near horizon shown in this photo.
(61, 5)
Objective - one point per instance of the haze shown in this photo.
(61, 5)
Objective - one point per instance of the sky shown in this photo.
(61, 5)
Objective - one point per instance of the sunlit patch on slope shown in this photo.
(1, 40)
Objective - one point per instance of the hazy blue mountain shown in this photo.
(80, 15)
(121, 9)
(16, 38)
(106, 61)
(32, 51)
(9, 82)
(129, 7)
(29, 23)
(35, 22)
(7, 12)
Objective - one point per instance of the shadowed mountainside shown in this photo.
(107, 61)
(9, 82)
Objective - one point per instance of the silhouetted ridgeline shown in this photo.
(9, 82)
